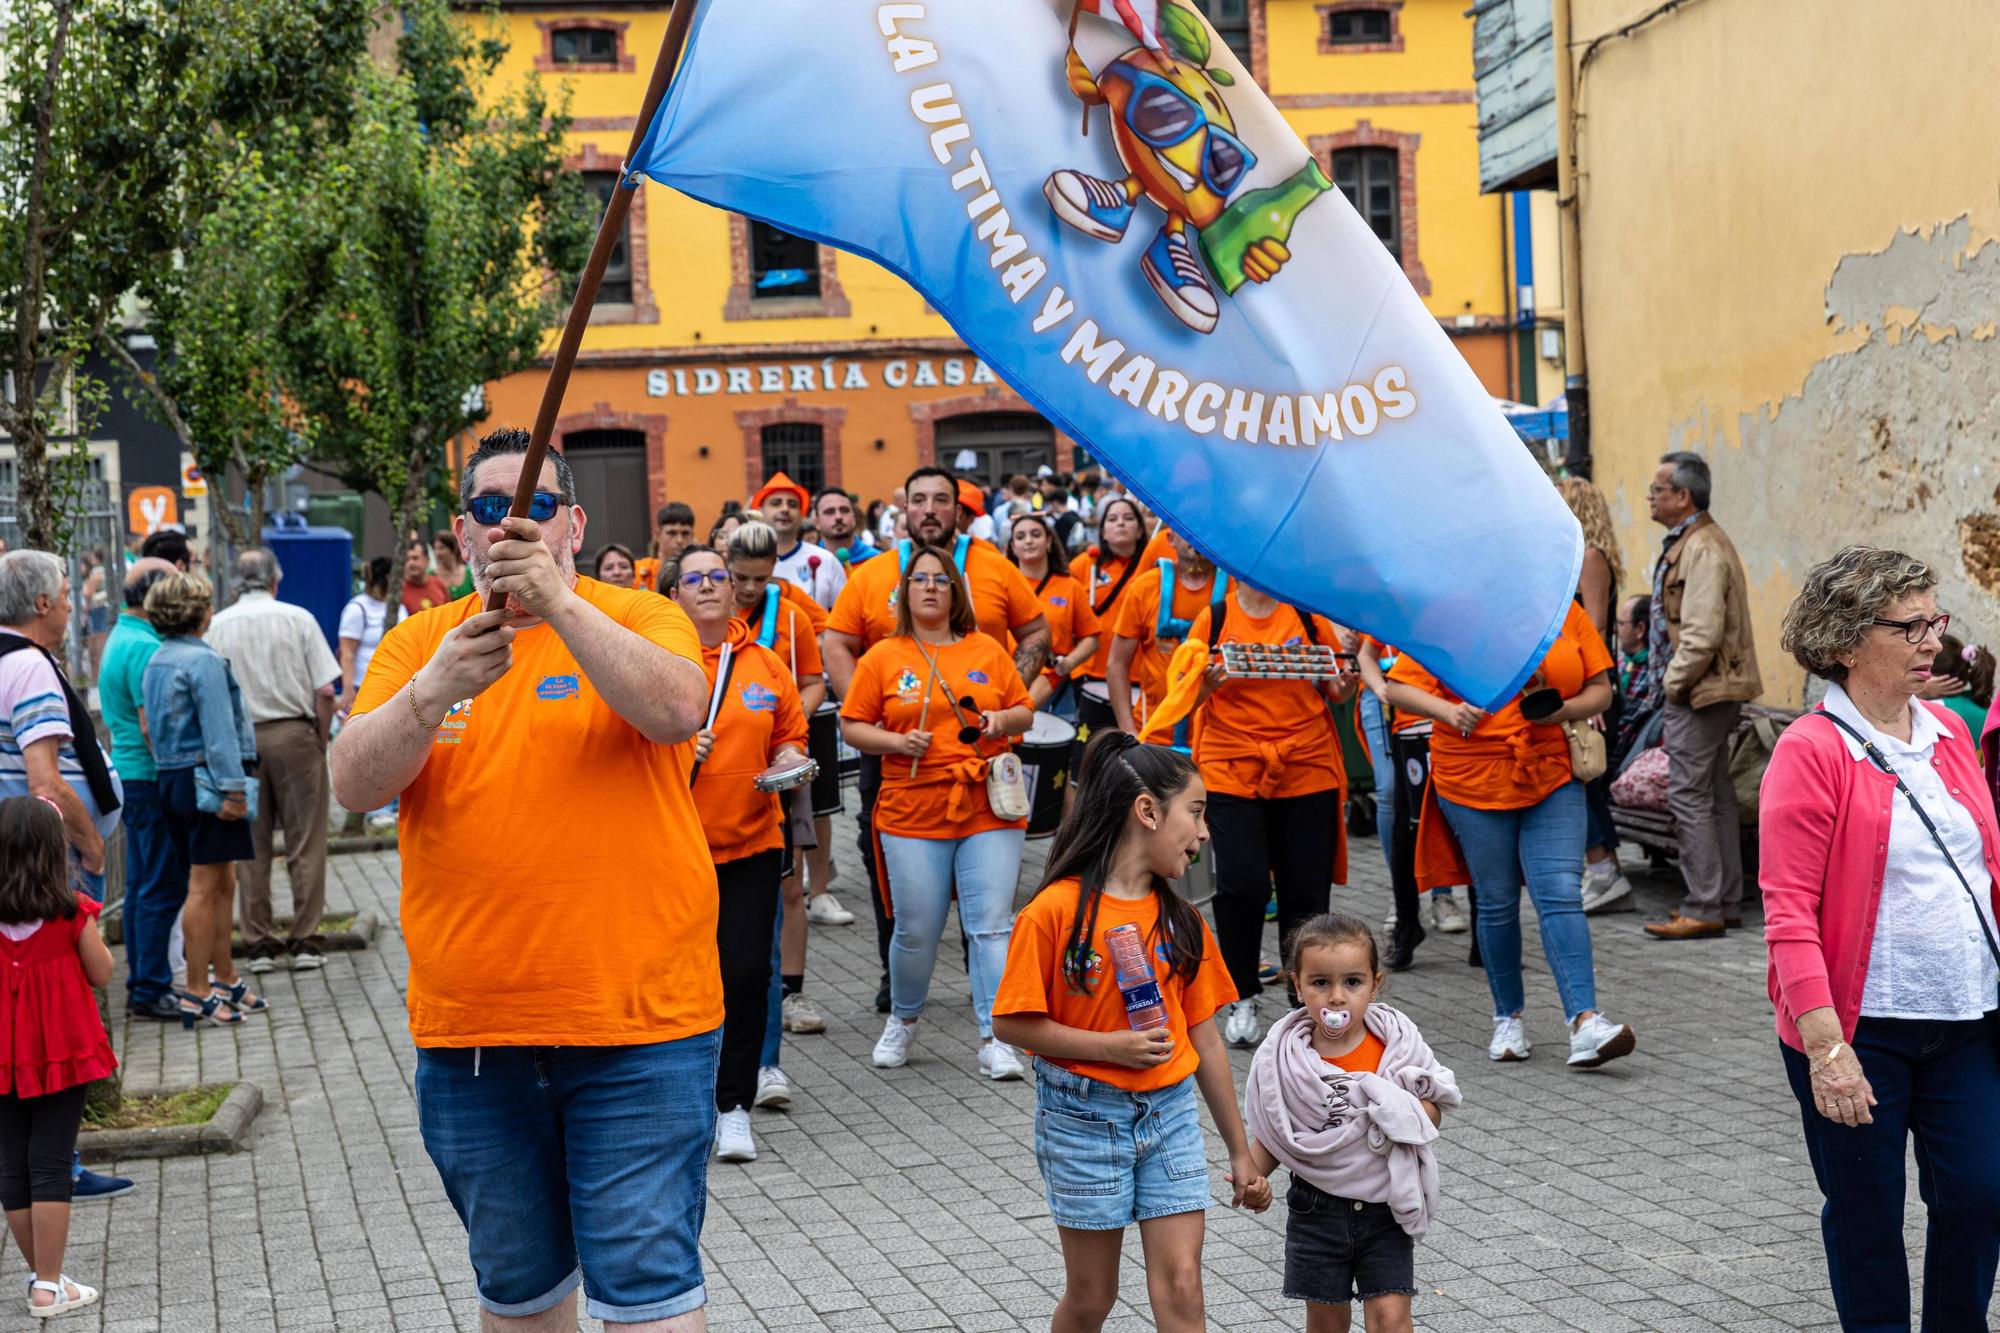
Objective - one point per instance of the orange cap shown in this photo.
(780, 482)
(970, 496)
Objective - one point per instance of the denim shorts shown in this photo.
(573, 1164)
(1110, 1158)
(1339, 1250)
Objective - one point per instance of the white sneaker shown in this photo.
(1601, 893)
(1510, 1040)
(1389, 922)
(892, 1049)
(1598, 1039)
(823, 909)
(998, 1062)
(799, 1015)
(1447, 916)
(732, 1137)
(774, 1090)
(1239, 1028)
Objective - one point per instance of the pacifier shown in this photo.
(1335, 1020)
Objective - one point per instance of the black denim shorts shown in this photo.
(1338, 1251)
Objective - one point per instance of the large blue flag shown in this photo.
(1125, 229)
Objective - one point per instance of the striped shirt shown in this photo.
(32, 708)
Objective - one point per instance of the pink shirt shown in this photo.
(1823, 826)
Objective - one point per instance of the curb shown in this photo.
(367, 925)
(224, 1132)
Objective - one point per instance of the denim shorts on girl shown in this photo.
(1338, 1251)
(1109, 1157)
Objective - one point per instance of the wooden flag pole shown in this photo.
(593, 273)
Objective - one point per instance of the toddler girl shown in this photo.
(1117, 1132)
(50, 957)
(1345, 1093)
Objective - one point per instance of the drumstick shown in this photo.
(721, 677)
(924, 717)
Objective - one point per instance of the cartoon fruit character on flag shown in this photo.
(1179, 145)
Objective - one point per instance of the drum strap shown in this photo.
(721, 689)
(1131, 568)
(1166, 627)
(1045, 581)
(958, 552)
(767, 635)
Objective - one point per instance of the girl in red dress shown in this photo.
(55, 1041)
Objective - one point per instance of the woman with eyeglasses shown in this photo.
(1073, 629)
(758, 722)
(938, 700)
(1878, 859)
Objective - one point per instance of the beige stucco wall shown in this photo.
(1790, 218)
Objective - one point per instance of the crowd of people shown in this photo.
(705, 691)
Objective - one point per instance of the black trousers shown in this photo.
(37, 1138)
(748, 890)
(864, 820)
(1289, 841)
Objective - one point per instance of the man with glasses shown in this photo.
(1702, 669)
(559, 906)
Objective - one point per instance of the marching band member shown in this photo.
(1073, 626)
(1153, 620)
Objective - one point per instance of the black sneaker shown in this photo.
(306, 955)
(166, 1009)
(263, 956)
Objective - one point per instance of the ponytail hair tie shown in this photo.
(51, 805)
(1970, 653)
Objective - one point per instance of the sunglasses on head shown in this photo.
(492, 508)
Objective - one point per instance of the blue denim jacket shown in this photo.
(195, 714)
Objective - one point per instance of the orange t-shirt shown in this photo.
(538, 810)
(1034, 981)
(1100, 574)
(795, 635)
(1267, 738)
(1363, 1059)
(1510, 763)
(947, 797)
(760, 715)
(646, 573)
(1071, 618)
(1002, 601)
(1158, 547)
(1139, 618)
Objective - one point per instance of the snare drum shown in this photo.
(1198, 884)
(1411, 751)
(823, 744)
(1045, 762)
(1093, 709)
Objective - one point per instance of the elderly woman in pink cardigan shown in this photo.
(1878, 866)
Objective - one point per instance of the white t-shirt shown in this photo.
(364, 619)
(815, 570)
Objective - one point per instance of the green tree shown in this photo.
(122, 122)
(438, 228)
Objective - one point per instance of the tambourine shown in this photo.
(785, 776)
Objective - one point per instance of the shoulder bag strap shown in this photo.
(1875, 757)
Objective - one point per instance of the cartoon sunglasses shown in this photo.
(1162, 115)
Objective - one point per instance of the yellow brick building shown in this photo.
(721, 349)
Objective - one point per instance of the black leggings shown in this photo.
(1291, 840)
(748, 911)
(37, 1141)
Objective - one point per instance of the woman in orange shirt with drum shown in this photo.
(1106, 572)
(1073, 627)
(1276, 784)
(938, 701)
(755, 722)
(1506, 790)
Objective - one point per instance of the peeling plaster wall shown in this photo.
(1791, 239)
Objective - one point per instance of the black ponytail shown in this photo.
(1116, 769)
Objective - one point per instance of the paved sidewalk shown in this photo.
(1667, 1192)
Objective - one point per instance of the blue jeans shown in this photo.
(156, 884)
(922, 872)
(1544, 841)
(774, 1021)
(1375, 726)
(1109, 1157)
(1935, 1082)
(573, 1164)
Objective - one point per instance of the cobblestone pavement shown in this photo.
(1667, 1192)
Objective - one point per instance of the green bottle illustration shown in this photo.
(1266, 214)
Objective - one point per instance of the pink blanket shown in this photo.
(1358, 1136)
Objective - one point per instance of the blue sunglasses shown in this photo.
(1163, 115)
(491, 509)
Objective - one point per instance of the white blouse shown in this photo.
(1929, 958)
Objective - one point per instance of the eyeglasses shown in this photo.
(939, 581)
(1163, 115)
(1658, 489)
(492, 508)
(1915, 630)
(692, 581)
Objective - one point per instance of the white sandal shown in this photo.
(85, 1295)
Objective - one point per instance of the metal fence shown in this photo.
(95, 526)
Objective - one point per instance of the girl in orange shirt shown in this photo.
(1073, 627)
(1106, 572)
(1276, 783)
(1117, 1132)
(759, 723)
(938, 700)
(1503, 784)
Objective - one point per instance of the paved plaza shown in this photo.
(1666, 1192)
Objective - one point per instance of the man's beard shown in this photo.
(482, 582)
(922, 531)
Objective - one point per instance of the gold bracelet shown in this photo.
(1822, 1061)
(413, 708)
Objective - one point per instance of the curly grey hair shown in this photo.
(1841, 596)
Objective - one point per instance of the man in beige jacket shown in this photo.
(1705, 670)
